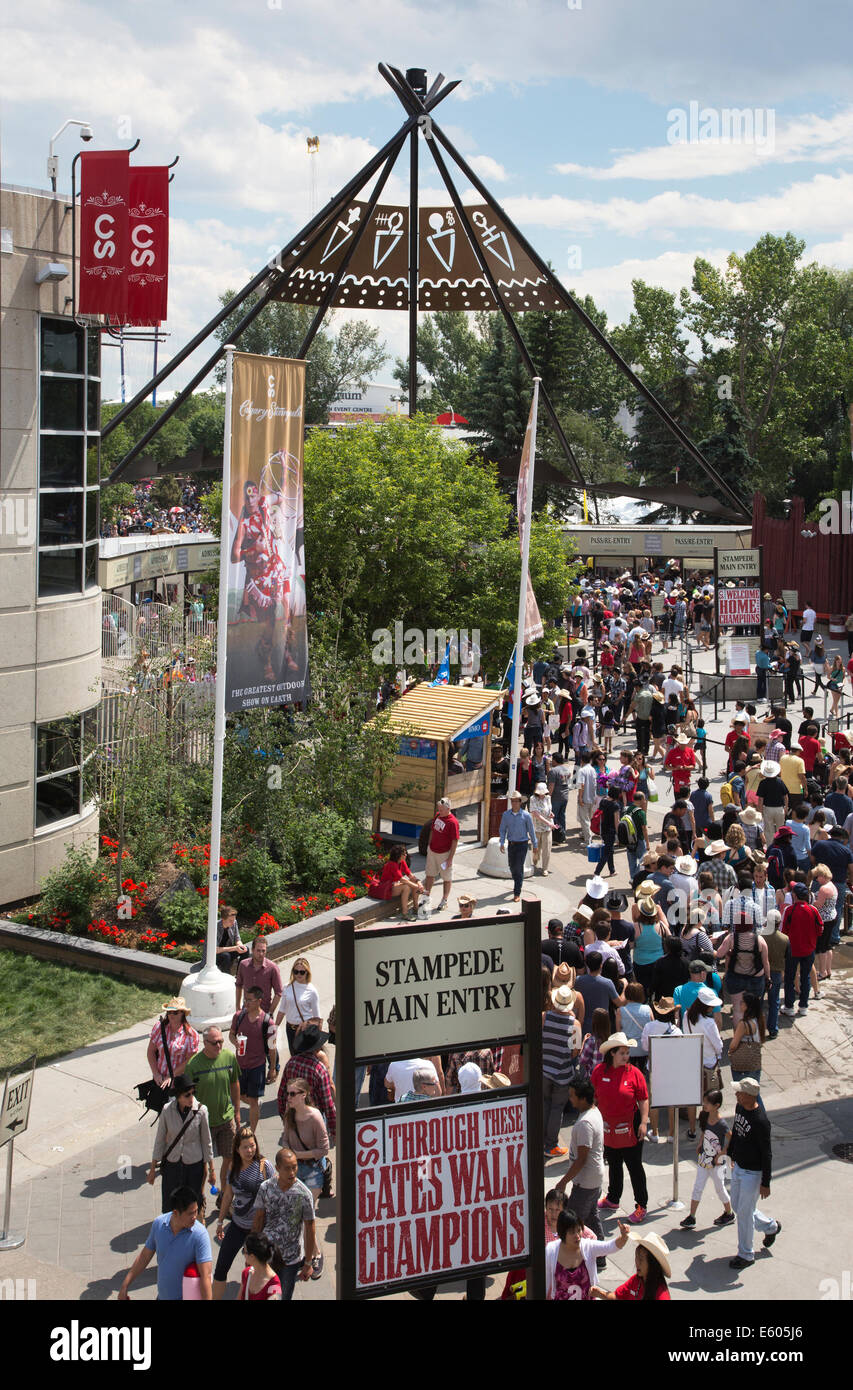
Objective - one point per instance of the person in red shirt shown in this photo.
(651, 1261)
(443, 841)
(810, 749)
(803, 926)
(397, 881)
(680, 760)
(622, 1097)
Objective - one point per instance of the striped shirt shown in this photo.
(557, 1040)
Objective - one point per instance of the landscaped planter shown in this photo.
(142, 967)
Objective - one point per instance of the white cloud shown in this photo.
(810, 137)
(610, 285)
(824, 202)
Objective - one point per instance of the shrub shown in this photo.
(322, 845)
(254, 882)
(184, 916)
(69, 892)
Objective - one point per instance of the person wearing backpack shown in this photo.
(745, 950)
(632, 833)
(253, 1036)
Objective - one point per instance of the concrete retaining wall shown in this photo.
(143, 968)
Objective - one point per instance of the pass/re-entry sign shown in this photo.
(17, 1096)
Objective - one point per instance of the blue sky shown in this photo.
(565, 111)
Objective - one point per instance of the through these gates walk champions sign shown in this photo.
(434, 1189)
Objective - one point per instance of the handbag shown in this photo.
(746, 1056)
(151, 1093)
(653, 791)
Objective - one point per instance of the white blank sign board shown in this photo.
(675, 1070)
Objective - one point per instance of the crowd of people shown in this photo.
(265, 1208)
(146, 518)
(739, 897)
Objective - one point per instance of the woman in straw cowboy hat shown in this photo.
(172, 1042)
(651, 930)
(652, 1269)
(622, 1097)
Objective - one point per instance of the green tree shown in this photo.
(351, 356)
(115, 500)
(451, 344)
(778, 332)
(402, 525)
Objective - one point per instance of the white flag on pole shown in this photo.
(533, 628)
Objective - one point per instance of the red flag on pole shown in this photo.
(148, 270)
(104, 233)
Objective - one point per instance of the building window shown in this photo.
(69, 420)
(64, 786)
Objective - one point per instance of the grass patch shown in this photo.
(52, 1009)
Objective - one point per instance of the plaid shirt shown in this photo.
(742, 910)
(310, 1068)
(722, 873)
(182, 1046)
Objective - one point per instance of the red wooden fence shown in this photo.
(820, 568)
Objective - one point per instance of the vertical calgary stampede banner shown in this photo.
(267, 653)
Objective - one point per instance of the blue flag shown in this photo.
(442, 676)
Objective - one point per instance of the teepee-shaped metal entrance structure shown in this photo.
(363, 254)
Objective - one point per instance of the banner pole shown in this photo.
(210, 993)
(522, 597)
(222, 642)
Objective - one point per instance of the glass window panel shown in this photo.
(60, 572)
(60, 461)
(61, 404)
(93, 353)
(60, 518)
(61, 346)
(93, 418)
(93, 471)
(92, 514)
(91, 565)
(57, 799)
(58, 747)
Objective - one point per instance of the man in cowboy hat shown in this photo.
(680, 761)
(751, 1158)
(517, 827)
(560, 1045)
(772, 798)
(466, 907)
